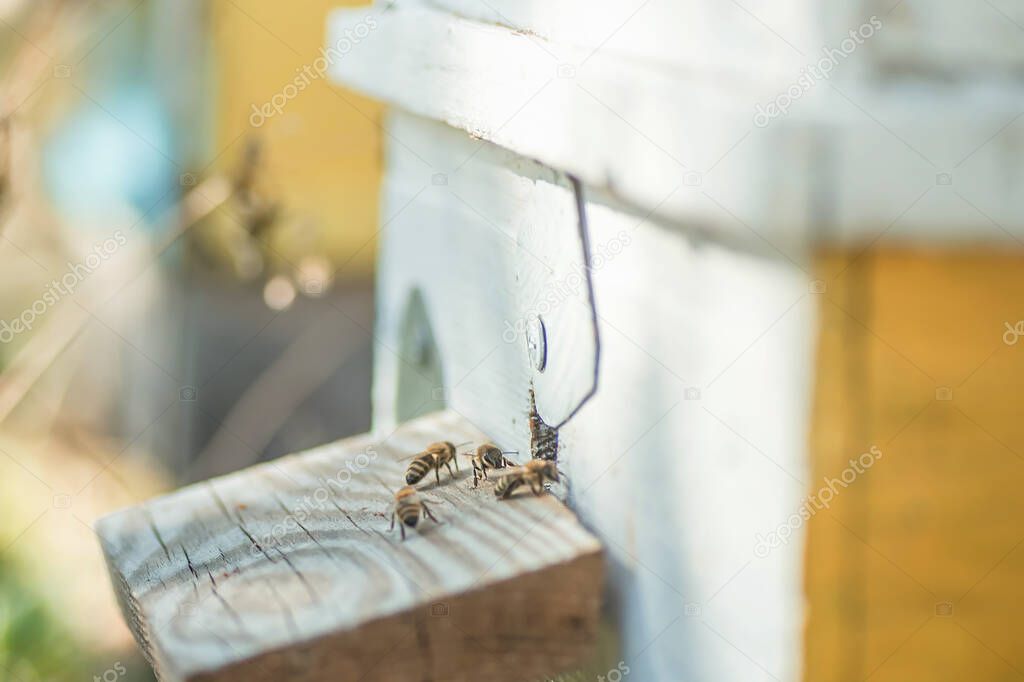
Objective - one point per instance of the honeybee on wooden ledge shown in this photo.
(409, 508)
(533, 473)
(488, 456)
(433, 457)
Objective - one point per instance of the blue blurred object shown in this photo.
(109, 152)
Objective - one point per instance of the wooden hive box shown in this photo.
(801, 241)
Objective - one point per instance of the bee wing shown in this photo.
(515, 471)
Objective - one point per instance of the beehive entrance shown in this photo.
(421, 388)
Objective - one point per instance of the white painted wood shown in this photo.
(676, 488)
(287, 571)
(554, 288)
(673, 34)
(694, 445)
(951, 39)
(854, 158)
(503, 236)
(933, 38)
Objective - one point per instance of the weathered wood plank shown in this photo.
(287, 571)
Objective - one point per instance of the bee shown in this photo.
(488, 456)
(534, 473)
(433, 457)
(408, 509)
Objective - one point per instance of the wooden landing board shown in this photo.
(286, 571)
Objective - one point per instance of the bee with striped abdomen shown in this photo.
(409, 508)
(488, 456)
(534, 473)
(433, 457)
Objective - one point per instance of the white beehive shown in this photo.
(691, 157)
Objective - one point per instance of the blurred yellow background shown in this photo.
(911, 573)
(324, 149)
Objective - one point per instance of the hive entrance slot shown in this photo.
(421, 387)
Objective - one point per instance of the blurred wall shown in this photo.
(322, 142)
(914, 570)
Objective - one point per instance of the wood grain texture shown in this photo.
(287, 571)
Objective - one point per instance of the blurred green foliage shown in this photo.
(33, 644)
